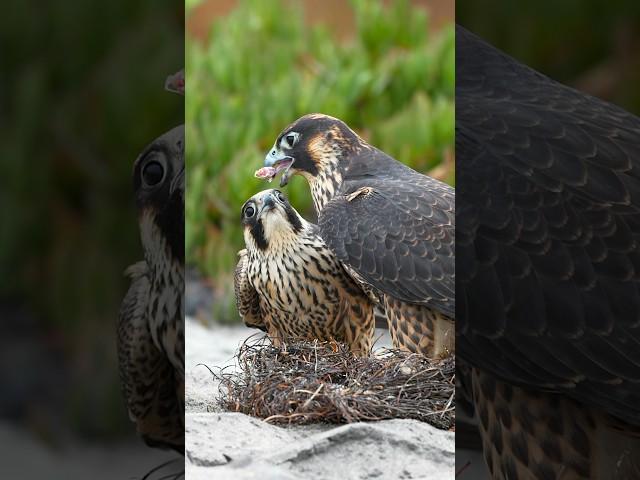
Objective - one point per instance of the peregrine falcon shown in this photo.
(548, 283)
(288, 283)
(390, 226)
(151, 323)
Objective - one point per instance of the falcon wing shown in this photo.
(397, 234)
(548, 232)
(247, 299)
(148, 378)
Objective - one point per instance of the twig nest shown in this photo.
(307, 382)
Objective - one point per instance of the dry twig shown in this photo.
(308, 382)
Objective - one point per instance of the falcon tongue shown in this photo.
(268, 173)
(265, 173)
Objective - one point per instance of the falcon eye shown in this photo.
(249, 211)
(152, 173)
(280, 196)
(290, 140)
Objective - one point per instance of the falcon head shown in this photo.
(270, 221)
(311, 145)
(158, 182)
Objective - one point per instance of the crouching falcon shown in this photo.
(151, 324)
(390, 226)
(290, 284)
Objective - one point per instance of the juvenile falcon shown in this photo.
(391, 227)
(548, 270)
(151, 324)
(290, 284)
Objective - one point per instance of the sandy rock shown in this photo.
(240, 446)
(234, 446)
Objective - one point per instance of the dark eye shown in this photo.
(280, 196)
(152, 173)
(249, 211)
(289, 140)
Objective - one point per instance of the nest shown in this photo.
(309, 382)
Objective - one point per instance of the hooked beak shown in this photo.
(178, 182)
(268, 204)
(278, 160)
(273, 156)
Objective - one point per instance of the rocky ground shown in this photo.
(224, 445)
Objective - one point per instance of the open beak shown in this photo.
(273, 157)
(274, 163)
(175, 83)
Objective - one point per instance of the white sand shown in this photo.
(224, 445)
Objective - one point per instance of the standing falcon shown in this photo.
(151, 324)
(548, 270)
(290, 284)
(390, 226)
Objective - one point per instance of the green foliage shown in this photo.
(260, 69)
(190, 4)
(82, 94)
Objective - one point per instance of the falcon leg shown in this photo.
(274, 332)
(359, 328)
(417, 329)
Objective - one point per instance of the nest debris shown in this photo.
(309, 382)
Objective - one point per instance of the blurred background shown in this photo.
(384, 67)
(81, 94)
(587, 44)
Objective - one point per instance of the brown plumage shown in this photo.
(391, 227)
(151, 323)
(290, 284)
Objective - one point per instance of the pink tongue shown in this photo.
(266, 173)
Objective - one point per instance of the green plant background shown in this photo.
(588, 44)
(81, 96)
(393, 81)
